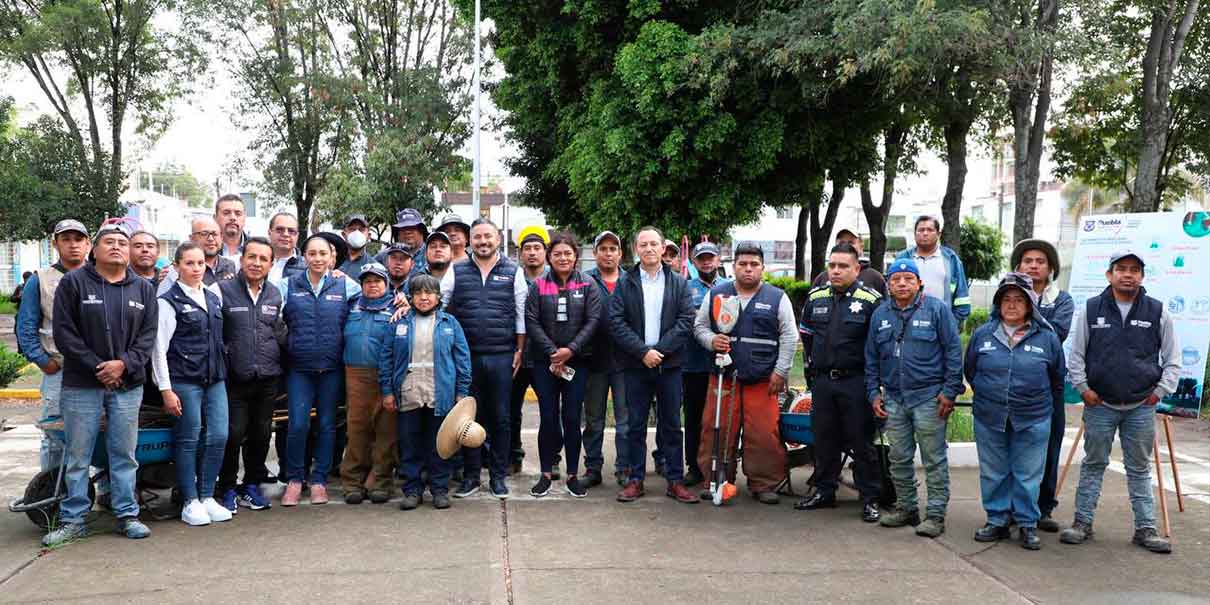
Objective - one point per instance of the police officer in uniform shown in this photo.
(834, 325)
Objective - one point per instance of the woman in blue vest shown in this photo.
(1015, 366)
(315, 305)
(372, 442)
(424, 368)
(562, 312)
(189, 366)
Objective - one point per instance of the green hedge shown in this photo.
(796, 290)
(977, 318)
(11, 364)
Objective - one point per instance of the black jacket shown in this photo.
(97, 321)
(626, 319)
(581, 315)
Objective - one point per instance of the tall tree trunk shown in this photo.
(801, 237)
(1164, 49)
(956, 132)
(876, 216)
(1029, 124)
(821, 232)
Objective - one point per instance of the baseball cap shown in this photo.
(604, 235)
(355, 218)
(373, 269)
(1126, 253)
(671, 244)
(402, 249)
(410, 217)
(905, 265)
(438, 235)
(109, 228)
(70, 224)
(705, 248)
(848, 232)
(456, 220)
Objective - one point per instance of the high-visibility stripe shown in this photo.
(962, 300)
(758, 341)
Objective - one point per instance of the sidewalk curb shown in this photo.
(20, 394)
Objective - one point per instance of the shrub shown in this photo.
(11, 365)
(7, 306)
(978, 317)
(981, 251)
(796, 290)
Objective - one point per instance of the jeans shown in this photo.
(418, 451)
(1137, 430)
(50, 454)
(323, 390)
(665, 384)
(516, 401)
(491, 380)
(560, 402)
(596, 395)
(203, 419)
(907, 428)
(249, 426)
(695, 386)
(1050, 477)
(1010, 471)
(82, 408)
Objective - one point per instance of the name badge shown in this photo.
(136, 305)
(238, 309)
(763, 306)
(1140, 323)
(336, 297)
(921, 323)
(93, 300)
(269, 310)
(820, 311)
(501, 278)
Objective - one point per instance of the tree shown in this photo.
(42, 179)
(1100, 136)
(282, 56)
(982, 250)
(1029, 33)
(98, 63)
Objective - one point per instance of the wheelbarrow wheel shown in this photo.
(41, 487)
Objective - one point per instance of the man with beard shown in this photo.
(531, 242)
(400, 264)
(229, 214)
(218, 268)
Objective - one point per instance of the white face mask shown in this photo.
(357, 240)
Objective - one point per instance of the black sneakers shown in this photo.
(575, 488)
(541, 488)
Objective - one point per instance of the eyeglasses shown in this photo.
(207, 234)
(285, 231)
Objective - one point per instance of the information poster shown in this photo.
(1176, 250)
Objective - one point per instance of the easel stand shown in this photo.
(1159, 471)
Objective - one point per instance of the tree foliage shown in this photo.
(982, 251)
(101, 64)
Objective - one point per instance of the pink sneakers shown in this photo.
(293, 494)
(319, 494)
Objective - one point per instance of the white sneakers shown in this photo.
(203, 512)
(195, 513)
(218, 513)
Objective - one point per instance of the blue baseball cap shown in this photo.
(903, 265)
(705, 248)
(374, 269)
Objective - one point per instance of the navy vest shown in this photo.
(1123, 359)
(249, 330)
(195, 354)
(316, 323)
(487, 309)
(755, 336)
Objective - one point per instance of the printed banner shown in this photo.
(1176, 250)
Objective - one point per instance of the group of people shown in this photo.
(399, 338)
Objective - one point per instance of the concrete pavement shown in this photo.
(595, 550)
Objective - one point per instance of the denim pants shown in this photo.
(1136, 428)
(665, 385)
(1050, 478)
(201, 438)
(50, 454)
(322, 390)
(418, 451)
(909, 427)
(695, 385)
(82, 409)
(516, 403)
(1011, 462)
(598, 388)
(491, 382)
(560, 402)
(249, 427)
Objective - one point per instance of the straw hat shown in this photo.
(459, 429)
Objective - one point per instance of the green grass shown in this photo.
(7, 307)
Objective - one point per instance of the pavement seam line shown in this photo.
(970, 562)
(508, 570)
(19, 569)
